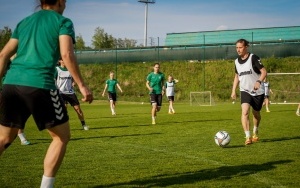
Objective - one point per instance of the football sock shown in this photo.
(247, 133)
(22, 137)
(255, 129)
(47, 182)
(83, 123)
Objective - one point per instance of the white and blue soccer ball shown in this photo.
(222, 138)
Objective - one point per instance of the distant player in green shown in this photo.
(155, 85)
(170, 92)
(110, 85)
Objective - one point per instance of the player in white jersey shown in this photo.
(298, 110)
(249, 74)
(170, 92)
(65, 85)
(267, 94)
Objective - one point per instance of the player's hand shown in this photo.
(233, 96)
(176, 80)
(87, 94)
(256, 86)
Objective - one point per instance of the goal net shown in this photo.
(285, 88)
(203, 98)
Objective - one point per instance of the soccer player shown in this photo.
(65, 83)
(267, 94)
(298, 110)
(249, 74)
(110, 85)
(29, 87)
(170, 92)
(155, 85)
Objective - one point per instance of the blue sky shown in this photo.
(125, 18)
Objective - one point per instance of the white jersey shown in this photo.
(267, 88)
(170, 88)
(64, 81)
(248, 77)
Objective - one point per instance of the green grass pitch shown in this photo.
(179, 151)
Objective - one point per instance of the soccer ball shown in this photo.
(222, 138)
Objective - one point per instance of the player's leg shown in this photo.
(22, 137)
(153, 103)
(298, 110)
(266, 101)
(7, 136)
(56, 151)
(60, 137)
(256, 107)
(245, 105)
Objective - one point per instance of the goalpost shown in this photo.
(203, 98)
(285, 88)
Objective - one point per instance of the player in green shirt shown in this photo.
(29, 88)
(155, 85)
(110, 85)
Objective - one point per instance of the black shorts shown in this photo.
(17, 103)
(70, 98)
(156, 98)
(112, 96)
(255, 102)
(171, 98)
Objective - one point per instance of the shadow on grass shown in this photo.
(280, 139)
(221, 173)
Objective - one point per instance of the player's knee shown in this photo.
(158, 109)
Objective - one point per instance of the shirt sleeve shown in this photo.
(256, 64)
(67, 28)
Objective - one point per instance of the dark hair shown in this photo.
(48, 2)
(243, 41)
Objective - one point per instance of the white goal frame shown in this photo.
(199, 103)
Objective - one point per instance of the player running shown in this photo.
(65, 85)
(155, 85)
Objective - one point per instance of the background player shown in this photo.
(110, 85)
(170, 92)
(267, 94)
(65, 85)
(155, 85)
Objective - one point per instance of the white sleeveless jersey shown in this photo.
(64, 81)
(170, 89)
(248, 77)
(267, 88)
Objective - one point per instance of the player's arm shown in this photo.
(119, 87)
(103, 93)
(257, 65)
(68, 56)
(7, 52)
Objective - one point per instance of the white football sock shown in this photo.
(47, 182)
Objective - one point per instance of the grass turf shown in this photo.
(179, 151)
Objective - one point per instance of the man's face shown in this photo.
(241, 49)
(156, 68)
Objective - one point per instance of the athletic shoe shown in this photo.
(170, 113)
(85, 127)
(114, 113)
(255, 138)
(153, 122)
(298, 113)
(25, 142)
(268, 111)
(248, 141)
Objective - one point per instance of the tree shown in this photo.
(80, 44)
(5, 35)
(101, 39)
(124, 43)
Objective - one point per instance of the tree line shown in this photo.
(100, 40)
